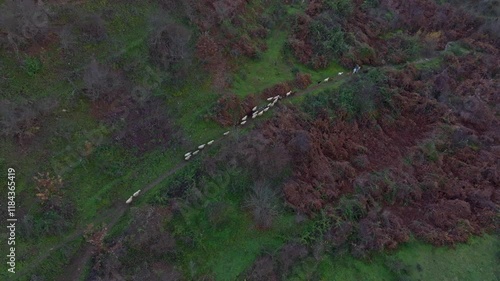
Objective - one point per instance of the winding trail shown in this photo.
(110, 217)
(74, 269)
(79, 261)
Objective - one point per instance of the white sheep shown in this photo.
(226, 133)
(244, 118)
(356, 69)
(287, 94)
(195, 152)
(269, 98)
(253, 116)
(201, 146)
(129, 200)
(254, 108)
(243, 123)
(260, 113)
(340, 73)
(210, 142)
(271, 104)
(266, 109)
(187, 154)
(187, 157)
(136, 193)
(326, 79)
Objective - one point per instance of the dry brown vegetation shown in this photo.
(433, 170)
(424, 162)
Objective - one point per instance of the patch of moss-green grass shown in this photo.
(477, 259)
(340, 268)
(254, 75)
(429, 64)
(275, 66)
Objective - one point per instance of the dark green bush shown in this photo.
(50, 223)
(370, 4)
(32, 66)
(317, 228)
(327, 37)
(351, 209)
(341, 7)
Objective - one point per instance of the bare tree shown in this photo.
(93, 27)
(67, 38)
(262, 202)
(23, 21)
(99, 80)
(19, 119)
(169, 42)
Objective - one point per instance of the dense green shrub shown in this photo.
(317, 228)
(342, 7)
(327, 37)
(32, 66)
(351, 209)
(50, 223)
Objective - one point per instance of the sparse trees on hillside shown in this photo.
(92, 28)
(169, 44)
(99, 80)
(20, 118)
(23, 22)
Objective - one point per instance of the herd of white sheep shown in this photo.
(255, 113)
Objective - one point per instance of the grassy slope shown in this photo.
(476, 260)
(226, 248)
(229, 251)
(95, 191)
(270, 69)
(274, 67)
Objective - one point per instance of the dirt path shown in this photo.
(78, 262)
(74, 270)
